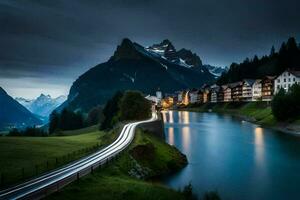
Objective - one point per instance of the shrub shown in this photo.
(286, 106)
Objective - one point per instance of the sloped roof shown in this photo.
(249, 81)
(295, 73)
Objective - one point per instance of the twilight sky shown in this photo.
(45, 45)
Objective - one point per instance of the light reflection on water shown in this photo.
(239, 159)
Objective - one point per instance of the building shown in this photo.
(153, 99)
(227, 93)
(220, 97)
(159, 95)
(214, 91)
(206, 93)
(247, 89)
(256, 90)
(180, 95)
(267, 89)
(237, 91)
(193, 95)
(286, 80)
(185, 98)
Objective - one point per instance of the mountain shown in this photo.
(42, 105)
(216, 71)
(134, 67)
(13, 114)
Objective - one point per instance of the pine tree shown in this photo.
(54, 122)
(272, 53)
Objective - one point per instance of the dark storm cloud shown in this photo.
(61, 39)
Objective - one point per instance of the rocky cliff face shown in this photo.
(134, 67)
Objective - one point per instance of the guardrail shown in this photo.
(55, 180)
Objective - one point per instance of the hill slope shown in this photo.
(133, 67)
(13, 113)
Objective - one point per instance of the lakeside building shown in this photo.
(227, 93)
(286, 80)
(206, 93)
(180, 95)
(267, 89)
(214, 93)
(256, 90)
(193, 95)
(237, 91)
(220, 97)
(246, 90)
(247, 87)
(185, 98)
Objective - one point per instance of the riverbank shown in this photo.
(128, 176)
(255, 112)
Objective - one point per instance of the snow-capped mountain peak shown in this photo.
(43, 105)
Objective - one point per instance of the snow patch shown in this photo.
(165, 66)
(183, 63)
(129, 77)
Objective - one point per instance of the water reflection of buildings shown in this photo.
(171, 119)
(186, 138)
(259, 145)
(184, 117)
(171, 135)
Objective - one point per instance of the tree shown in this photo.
(272, 53)
(278, 105)
(110, 111)
(95, 116)
(286, 106)
(54, 122)
(134, 106)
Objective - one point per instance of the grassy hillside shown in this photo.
(24, 157)
(146, 157)
(259, 112)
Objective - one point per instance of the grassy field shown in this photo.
(146, 157)
(24, 157)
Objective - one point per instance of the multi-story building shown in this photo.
(247, 89)
(206, 93)
(159, 95)
(193, 95)
(220, 97)
(286, 80)
(256, 90)
(179, 96)
(227, 93)
(214, 90)
(237, 91)
(186, 98)
(267, 88)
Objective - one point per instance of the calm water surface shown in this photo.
(238, 159)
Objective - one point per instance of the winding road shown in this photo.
(53, 181)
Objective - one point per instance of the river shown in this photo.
(238, 159)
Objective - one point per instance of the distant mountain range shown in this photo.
(13, 114)
(134, 67)
(42, 105)
(216, 71)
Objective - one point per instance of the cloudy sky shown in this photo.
(45, 45)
